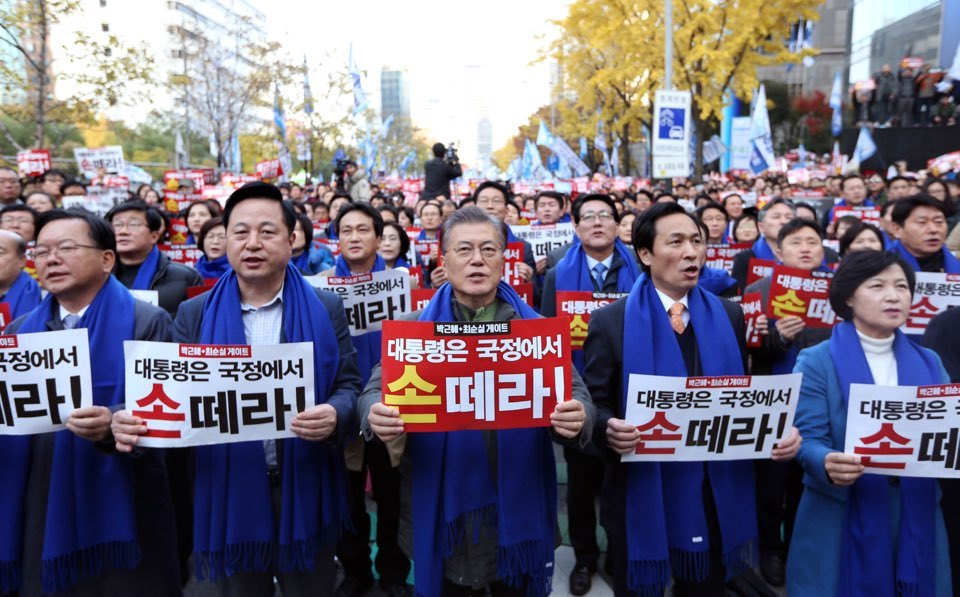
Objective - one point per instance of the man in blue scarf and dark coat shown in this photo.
(76, 518)
(359, 228)
(18, 290)
(479, 508)
(597, 261)
(271, 509)
(693, 521)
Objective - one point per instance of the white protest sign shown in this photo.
(43, 378)
(933, 294)
(369, 299)
(909, 431)
(195, 395)
(148, 296)
(91, 160)
(98, 200)
(546, 238)
(710, 418)
(740, 143)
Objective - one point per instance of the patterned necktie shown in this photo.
(599, 275)
(70, 321)
(676, 317)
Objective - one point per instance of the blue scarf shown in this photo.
(23, 295)
(367, 345)
(664, 501)
(951, 264)
(212, 270)
(302, 262)
(148, 269)
(573, 274)
(868, 543)
(90, 521)
(761, 250)
(423, 236)
(233, 508)
(715, 280)
(453, 489)
(401, 262)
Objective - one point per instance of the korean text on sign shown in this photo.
(752, 305)
(710, 418)
(934, 293)
(758, 268)
(870, 215)
(196, 394)
(721, 256)
(473, 375)
(512, 258)
(578, 305)
(370, 299)
(43, 378)
(796, 292)
(911, 431)
(545, 238)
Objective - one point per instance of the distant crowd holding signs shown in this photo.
(209, 371)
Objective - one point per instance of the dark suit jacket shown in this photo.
(346, 384)
(941, 337)
(548, 306)
(158, 572)
(603, 350)
(171, 282)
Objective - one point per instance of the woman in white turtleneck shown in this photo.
(858, 532)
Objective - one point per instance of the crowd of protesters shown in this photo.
(86, 511)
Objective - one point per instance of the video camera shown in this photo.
(451, 157)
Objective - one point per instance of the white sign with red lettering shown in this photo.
(687, 419)
(43, 378)
(909, 431)
(933, 294)
(545, 238)
(33, 162)
(91, 160)
(201, 394)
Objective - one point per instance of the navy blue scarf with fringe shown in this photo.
(666, 526)
(90, 523)
(875, 561)
(454, 489)
(234, 529)
(23, 295)
(951, 264)
(148, 269)
(367, 345)
(573, 274)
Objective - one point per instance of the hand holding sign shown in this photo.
(787, 448)
(789, 327)
(127, 430)
(622, 436)
(843, 469)
(385, 421)
(90, 423)
(567, 419)
(316, 423)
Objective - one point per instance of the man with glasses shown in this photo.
(20, 219)
(17, 288)
(9, 186)
(597, 261)
(141, 265)
(76, 501)
(443, 487)
(772, 217)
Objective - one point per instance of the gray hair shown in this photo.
(19, 240)
(471, 215)
(774, 203)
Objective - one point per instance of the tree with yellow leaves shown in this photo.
(611, 57)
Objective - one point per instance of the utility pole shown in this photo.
(668, 59)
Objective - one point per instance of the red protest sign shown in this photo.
(513, 257)
(5, 316)
(416, 274)
(419, 297)
(187, 255)
(193, 291)
(577, 305)
(33, 162)
(721, 256)
(525, 291)
(870, 215)
(797, 292)
(449, 376)
(269, 168)
(752, 305)
(178, 231)
(759, 269)
(332, 245)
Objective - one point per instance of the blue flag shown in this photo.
(278, 115)
(307, 96)
(359, 97)
(865, 146)
(583, 148)
(543, 135)
(761, 156)
(836, 103)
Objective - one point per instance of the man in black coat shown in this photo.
(438, 173)
(941, 337)
(137, 229)
(74, 255)
(670, 246)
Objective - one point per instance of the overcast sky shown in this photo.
(463, 58)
